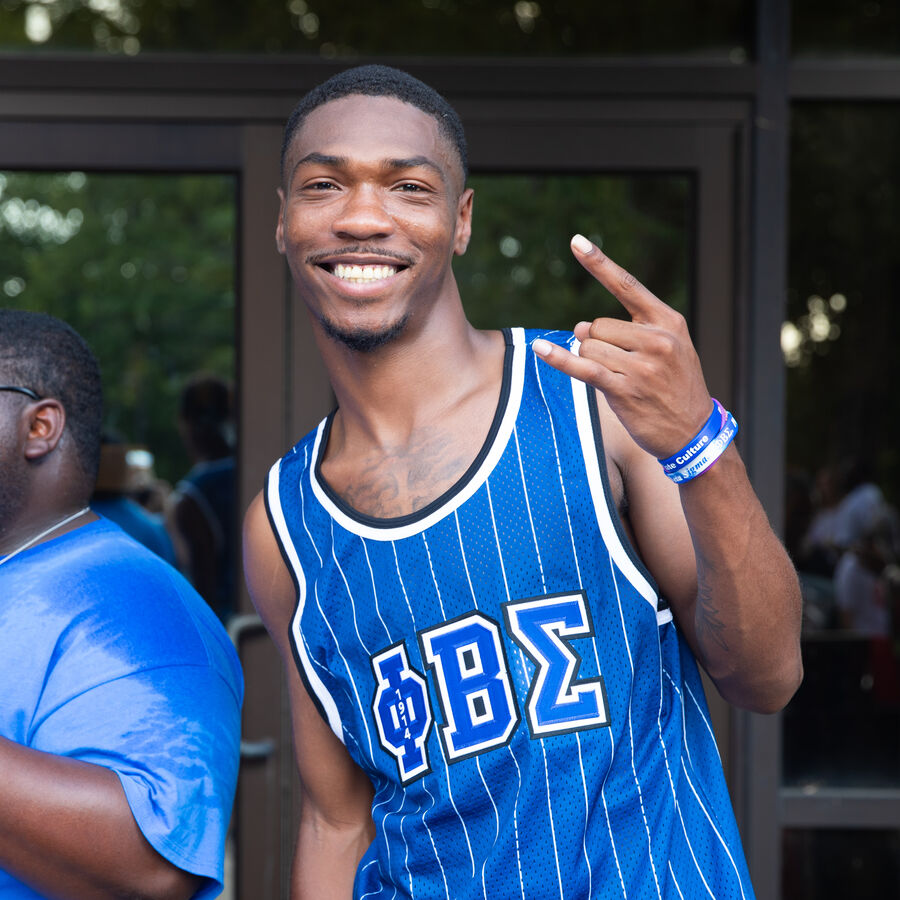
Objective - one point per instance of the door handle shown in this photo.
(239, 628)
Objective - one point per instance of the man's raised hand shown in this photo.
(647, 368)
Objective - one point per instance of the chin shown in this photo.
(361, 339)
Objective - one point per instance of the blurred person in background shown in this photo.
(201, 511)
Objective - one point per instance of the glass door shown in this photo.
(841, 740)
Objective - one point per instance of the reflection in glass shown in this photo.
(519, 269)
(835, 28)
(834, 864)
(843, 435)
(143, 266)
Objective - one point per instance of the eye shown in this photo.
(411, 187)
(320, 185)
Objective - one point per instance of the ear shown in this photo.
(46, 424)
(463, 221)
(279, 228)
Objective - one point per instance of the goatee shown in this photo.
(364, 340)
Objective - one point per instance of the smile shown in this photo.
(363, 274)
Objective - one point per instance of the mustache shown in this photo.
(324, 256)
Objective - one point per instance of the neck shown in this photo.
(401, 385)
(39, 528)
(407, 430)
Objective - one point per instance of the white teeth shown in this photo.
(364, 274)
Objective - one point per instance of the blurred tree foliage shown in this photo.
(393, 27)
(519, 270)
(845, 231)
(143, 266)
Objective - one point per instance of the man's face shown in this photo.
(372, 211)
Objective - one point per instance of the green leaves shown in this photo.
(143, 266)
(519, 270)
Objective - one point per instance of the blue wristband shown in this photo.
(698, 444)
(714, 449)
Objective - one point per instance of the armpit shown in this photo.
(619, 496)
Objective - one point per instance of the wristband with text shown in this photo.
(698, 443)
(713, 450)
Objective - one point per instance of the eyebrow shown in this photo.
(339, 162)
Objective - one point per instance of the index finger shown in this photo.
(643, 305)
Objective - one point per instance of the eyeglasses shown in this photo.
(28, 392)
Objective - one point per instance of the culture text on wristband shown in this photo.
(716, 447)
(698, 443)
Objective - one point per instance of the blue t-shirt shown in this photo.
(133, 519)
(109, 656)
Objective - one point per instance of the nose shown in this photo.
(362, 215)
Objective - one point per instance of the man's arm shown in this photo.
(336, 825)
(707, 541)
(731, 585)
(66, 830)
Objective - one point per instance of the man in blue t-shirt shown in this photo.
(120, 711)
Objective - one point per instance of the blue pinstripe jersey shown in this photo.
(501, 666)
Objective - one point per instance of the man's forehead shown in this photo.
(375, 128)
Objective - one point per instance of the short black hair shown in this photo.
(48, 356)
(381, 81)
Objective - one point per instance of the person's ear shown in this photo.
(463, 222)
(279, 228)
(46, 424)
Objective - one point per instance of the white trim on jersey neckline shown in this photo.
(474, 482)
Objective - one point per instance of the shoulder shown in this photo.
(301, 455)
(117, 594)
(286, 480)
(102, 620)
(269, 581)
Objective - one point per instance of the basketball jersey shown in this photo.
(502, 667)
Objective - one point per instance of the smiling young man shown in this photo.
(487, 593)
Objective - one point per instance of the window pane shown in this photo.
(823, 28)
(843, 443)
(143, 267)
(345, 28)
(519, 269)
(836, 864)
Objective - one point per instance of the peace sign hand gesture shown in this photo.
(647, 368)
